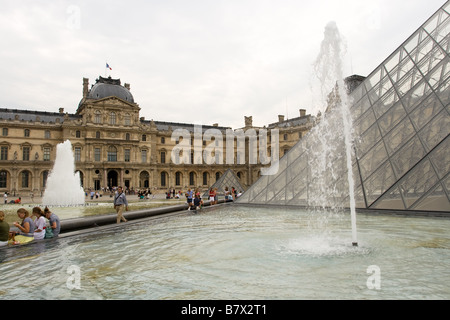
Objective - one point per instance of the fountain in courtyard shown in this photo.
(63, 183)
(334, 136)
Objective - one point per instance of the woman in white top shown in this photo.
(39, 232)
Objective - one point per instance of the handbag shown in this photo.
(48, 233)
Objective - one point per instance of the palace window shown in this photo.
(46, 154)
(144, 156)
(112, 118)
(163, 179)
(26, 153)
(127, 119)
(25, 179)
(127, 155)
(112, 154)
(77, 154)
(4, 153)
(97, 154)
(26, 132)
(178, 178)
(97, 117)
(44, 178)
(3, 179)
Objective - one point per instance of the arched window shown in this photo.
(192, 178)
(178, 178)
(97, 116)
(112, 118)
(25, 179)
(163, 179)
(3, 179)
(44, 178)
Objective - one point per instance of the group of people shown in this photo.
(194, 199)
(5, 199)
(29, 229)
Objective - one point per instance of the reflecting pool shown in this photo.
(238, 252)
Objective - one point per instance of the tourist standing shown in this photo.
(5, 198)
(189, 195)
(216, 199)
(120, 203)
(211, 196)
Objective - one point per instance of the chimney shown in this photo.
(85, 87)
(61, 110)
(127, 86)
(302, 112)
(280, 118)
(248, 121)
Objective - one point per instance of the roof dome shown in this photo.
(108, 87)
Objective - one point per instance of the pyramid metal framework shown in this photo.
(401, 125)
(228, 179)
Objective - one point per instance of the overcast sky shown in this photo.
(195, 61)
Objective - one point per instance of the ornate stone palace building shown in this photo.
(113, 145)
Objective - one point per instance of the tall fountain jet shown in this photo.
(329, 70)
(63, 184)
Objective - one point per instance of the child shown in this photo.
(198, 203)
(39, 232)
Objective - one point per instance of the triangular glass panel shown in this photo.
(401, 125)
(228, 180)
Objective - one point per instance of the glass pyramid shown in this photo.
(228, 179)
(401, 128)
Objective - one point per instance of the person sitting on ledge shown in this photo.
(55, 225)
(4, 230)
(198, 202)
(26, 233)
(39, 222)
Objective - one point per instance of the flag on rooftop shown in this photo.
(108, 67)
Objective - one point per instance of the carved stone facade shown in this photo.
(113, 145)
